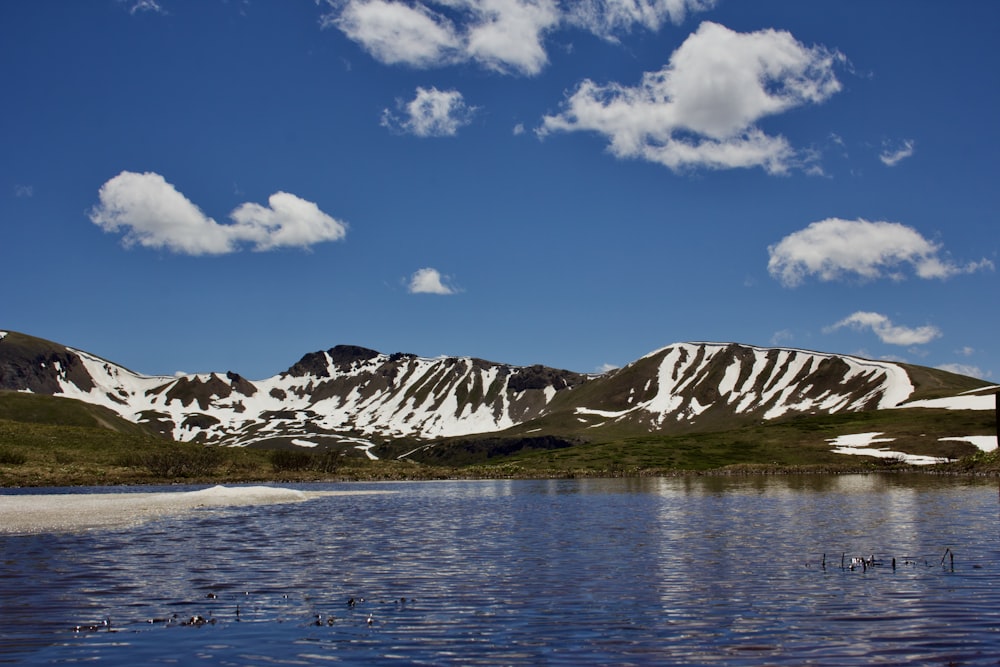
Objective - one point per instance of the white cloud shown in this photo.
(888, 332)
(781, 337)
(507, 36)
(287, 221)
(834, 248)
(700, 110)
(891, 156)
(503, 35)
(136, 6)
(24, 191)
(966, 351)
(431, 113)
(430, 281)
(607, 368)
(965, 369)
(153, 214)
(393, 32)
(607, 18)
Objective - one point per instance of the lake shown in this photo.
(784, 570)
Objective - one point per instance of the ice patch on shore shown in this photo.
(66, 512)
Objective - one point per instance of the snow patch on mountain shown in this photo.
(960, 402)
(773, 381)
(860, 444)
(985, 443)
(354, 397)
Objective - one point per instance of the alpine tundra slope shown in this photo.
(354, 397)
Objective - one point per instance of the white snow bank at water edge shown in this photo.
(23, 513)
(859, 444)
(986, 443)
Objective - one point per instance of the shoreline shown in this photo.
(504, 472)
(32, 513)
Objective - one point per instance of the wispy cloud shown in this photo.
(965, 369)
(892, 155)
(506, 36)
(781, 337)
(886, 331)
(701, 109)
(137, 6)
(610, 18)
(431, 113)
(430, 281)
(24, 191)
(150, 212)
(833, 249)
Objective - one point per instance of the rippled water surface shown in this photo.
(745, 571)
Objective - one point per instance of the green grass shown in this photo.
(35, 408)
(52, 441)
(792, 443)
(55, 455)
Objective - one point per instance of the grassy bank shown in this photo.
(48, 455)
(34, 454)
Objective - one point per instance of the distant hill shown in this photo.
(361, 400)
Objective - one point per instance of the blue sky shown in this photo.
(226, 185)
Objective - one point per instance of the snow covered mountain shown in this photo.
(351, 396)
(692, 384)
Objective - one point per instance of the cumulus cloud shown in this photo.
(431, 113)
(701, 109)
(832, 249)
(892, 155)
(887, 332)
(507, 36)
(503, 35)
(393, 32)
(153, 214)
(287, 221)
(430, 281)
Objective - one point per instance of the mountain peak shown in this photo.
(318, 363)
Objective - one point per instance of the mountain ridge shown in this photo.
(352, 397)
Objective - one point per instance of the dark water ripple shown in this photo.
(673, 571)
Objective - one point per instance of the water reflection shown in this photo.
(696, 570)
